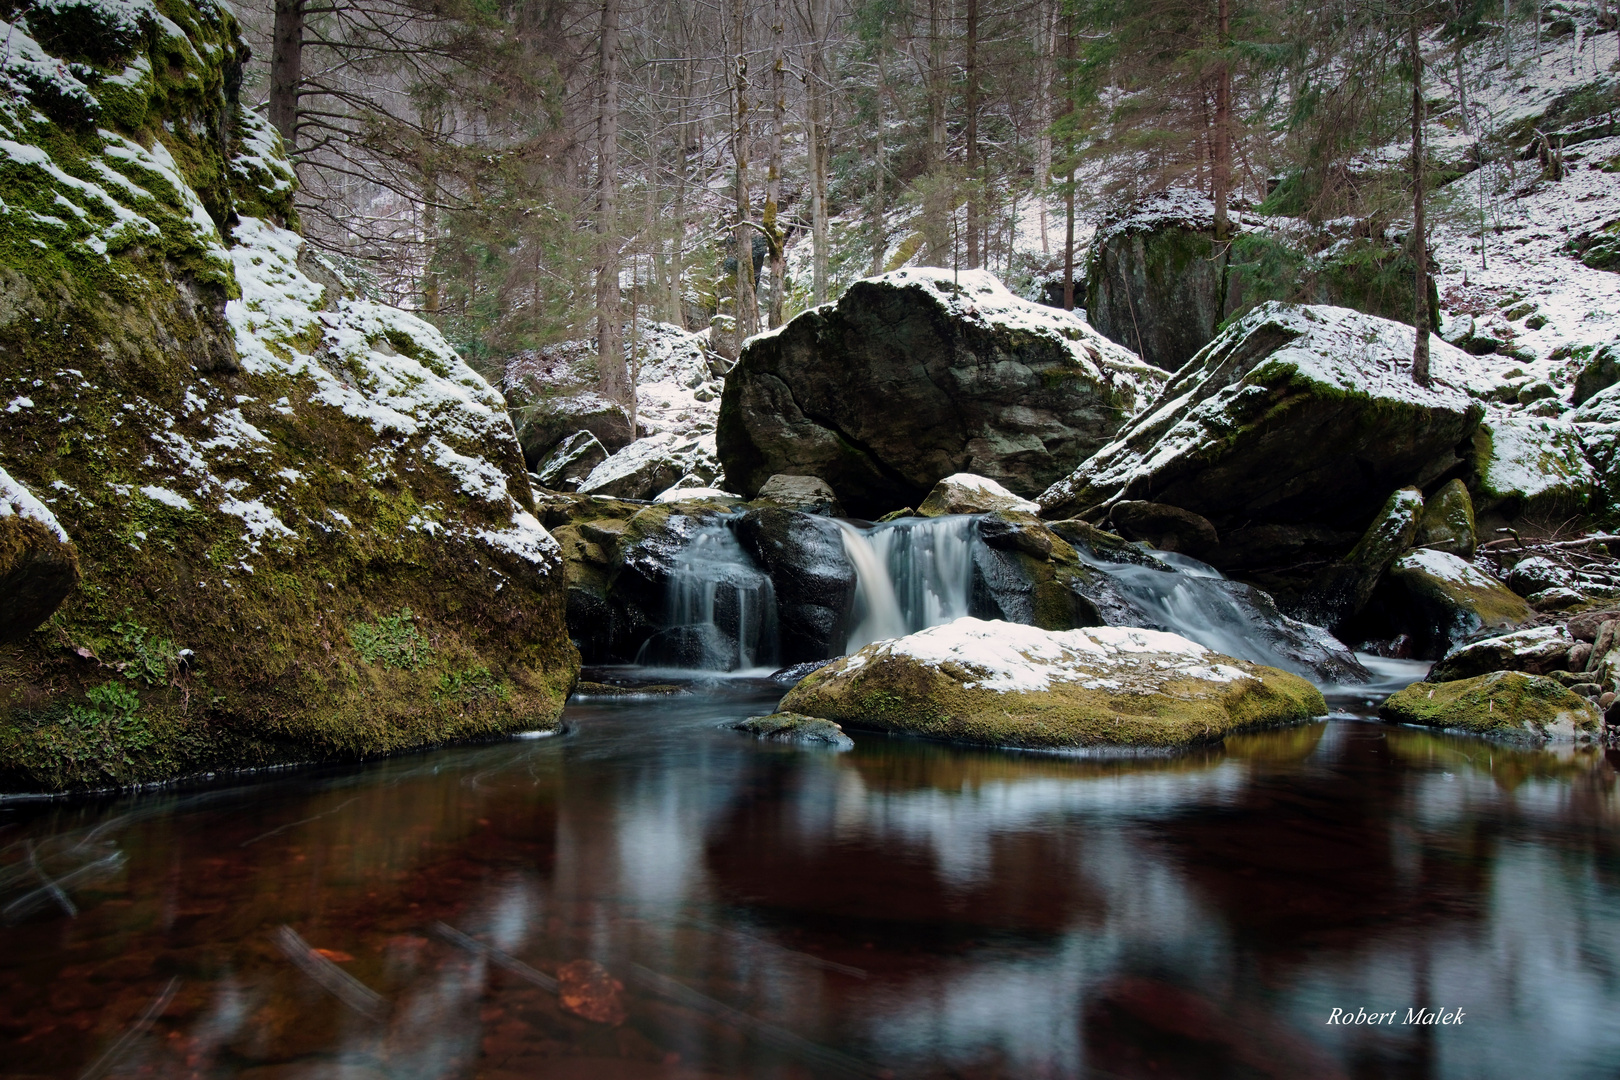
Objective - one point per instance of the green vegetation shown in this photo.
(392, 641)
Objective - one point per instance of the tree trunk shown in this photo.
(677, 269)
(610, 367)
(1043, 113)
(773, 177)
(742, 234)
(935, 203)
(1068, 159)
(1221, 159)
(1462, 88)
(971, 64)
(287, 70)
(819, 125)
(880, 168)
(1420, 247)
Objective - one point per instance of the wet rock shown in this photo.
(803, 555)
(1509, 706)
(1447, 523)
(648, 466)
(965, 493)
(1287, 433)
(1018, 532)
(1168, 528)
(585, 989)
(794, 672)
(791, 727)
(1340, 591)
(1442, 601)
(567, 466)
(1539, 650)
(39, 566)
(1100, 687)
(611, 690)
(807, 493)
(919, 374)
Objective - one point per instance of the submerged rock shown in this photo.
(1099, 688)
(1286, 433)
(1509, 706)
(791, 727)
(919, 374)
(39, 565)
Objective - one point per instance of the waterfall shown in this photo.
(910, 574)
(720, 609)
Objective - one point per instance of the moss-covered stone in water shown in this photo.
(790, 727)
(1133, 700)
(1506, 705)
(1443, 600)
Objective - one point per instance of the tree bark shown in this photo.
(1221, 163)
(1068, 195)
(610, 367)
(742, 235)
(773, 177)
(971, 64)
(880, 167)
(677, 270)
(819, 148)
(1047, 28)
(935, 203)
(1420, 247)
(287, 70)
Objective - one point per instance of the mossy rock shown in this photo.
(1530, 466)
(791, 727)
(302, 521)
(1509, 706)
(1442, 601)
(1104, 689)
(1343, 589)
(1448, 523)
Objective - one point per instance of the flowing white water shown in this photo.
(721, 609)
(909, 575)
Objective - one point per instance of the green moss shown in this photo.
(392, 641)
(896, 694)
(1506, 705)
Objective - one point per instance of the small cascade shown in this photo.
(721, 609)
(910, 574)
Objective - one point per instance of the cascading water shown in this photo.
(721, 609)
(910, 574)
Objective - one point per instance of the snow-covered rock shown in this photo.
(967, 493)
(39, 566)
(918, 374)
(651, 465)
(1287, 433)
(1098, 688)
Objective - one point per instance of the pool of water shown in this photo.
(905, 909)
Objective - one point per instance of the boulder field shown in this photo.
(919, 374)
(301, 526)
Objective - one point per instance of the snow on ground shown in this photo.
(1009, 658)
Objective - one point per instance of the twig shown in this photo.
(107, 1060)
(496, 957)
(329, 977)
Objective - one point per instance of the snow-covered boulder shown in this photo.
(1531, 465)
(570, 462)
(1100, 688)
(1538, 651)
(965, 493)
(919, 374)
(1597, 425)
(302, 520)
(1442, 601)
(39, 566)
(1287, 433)
(555, 392)
(652, 465)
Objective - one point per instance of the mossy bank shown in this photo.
(302, 521)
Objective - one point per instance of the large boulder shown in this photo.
(808, 493)
(303, 522)
(1442, 601)
(1102, 688)
(567, 466)
(648, 466)
(1286, 433)
(1447, 523)
(803, 554)
(1540, 650)
(1507, 706)
(919, 374)
(1597, 425)
(39, 566)
(1529, 466)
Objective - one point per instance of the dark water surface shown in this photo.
(907, 909)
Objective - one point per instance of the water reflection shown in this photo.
(910, 907)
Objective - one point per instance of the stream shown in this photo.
(905, 909)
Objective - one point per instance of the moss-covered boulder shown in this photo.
(1101, 688)
(39, 566)
(1442, 601)
(302, 521)
(1343, 588)
(1447, 523)
(1287, 433)
(919, 374)
(1530, 466)
(1510, 706)
(789, 727)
